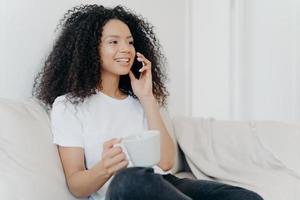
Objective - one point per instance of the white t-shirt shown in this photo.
(98, 119)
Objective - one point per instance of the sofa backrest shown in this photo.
(262, 156)
(30, 167)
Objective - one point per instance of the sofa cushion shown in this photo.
(30, 167)
(262, 156)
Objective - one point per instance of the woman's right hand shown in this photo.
(113, 158)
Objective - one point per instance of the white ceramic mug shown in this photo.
(142, 150)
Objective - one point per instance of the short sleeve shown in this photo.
(66, 124)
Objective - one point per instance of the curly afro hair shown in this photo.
(73, 65)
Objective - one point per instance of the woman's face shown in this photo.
(116, 48)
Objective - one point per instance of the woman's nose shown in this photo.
(125, 47)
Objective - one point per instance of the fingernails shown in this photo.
(139, 59)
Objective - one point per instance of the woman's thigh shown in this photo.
(140, 183)
(210, 190)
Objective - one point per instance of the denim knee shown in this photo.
(133, 175)
(132, 181)
(245, 194)
(253, 196)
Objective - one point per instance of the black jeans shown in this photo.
(138, 183)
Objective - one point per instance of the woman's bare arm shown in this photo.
(155, 121)
(83, 182)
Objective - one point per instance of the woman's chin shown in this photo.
(125, 72)
(122, 70)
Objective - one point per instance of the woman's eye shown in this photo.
(113, 42)
(131, 42)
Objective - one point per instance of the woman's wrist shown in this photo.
(100, 171)
(150, 105)
(146, 99)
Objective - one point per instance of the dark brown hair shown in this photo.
(73, 65)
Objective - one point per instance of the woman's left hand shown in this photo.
(142, 87)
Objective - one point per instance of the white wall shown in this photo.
(229, 59)
(246, 59)
(210, 58)
(27, 33)
(273, 57)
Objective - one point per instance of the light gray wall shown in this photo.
(246, 59)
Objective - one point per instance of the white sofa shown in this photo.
(261, 156)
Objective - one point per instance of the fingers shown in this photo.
(117, 167)
(110, 143)
(131, 76)
(112, 152)
(146, 62)
(144, 68)
(113, 165)
(113, 158)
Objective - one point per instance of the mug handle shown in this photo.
(130, 164)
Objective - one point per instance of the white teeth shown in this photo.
(122, 60)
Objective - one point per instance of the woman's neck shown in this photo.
(110, 85)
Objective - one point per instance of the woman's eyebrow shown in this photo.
(117, 36)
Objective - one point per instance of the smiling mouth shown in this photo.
(123, 61)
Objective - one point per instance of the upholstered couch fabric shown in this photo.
(30, 168)
(262, 156)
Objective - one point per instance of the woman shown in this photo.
(104, 79)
